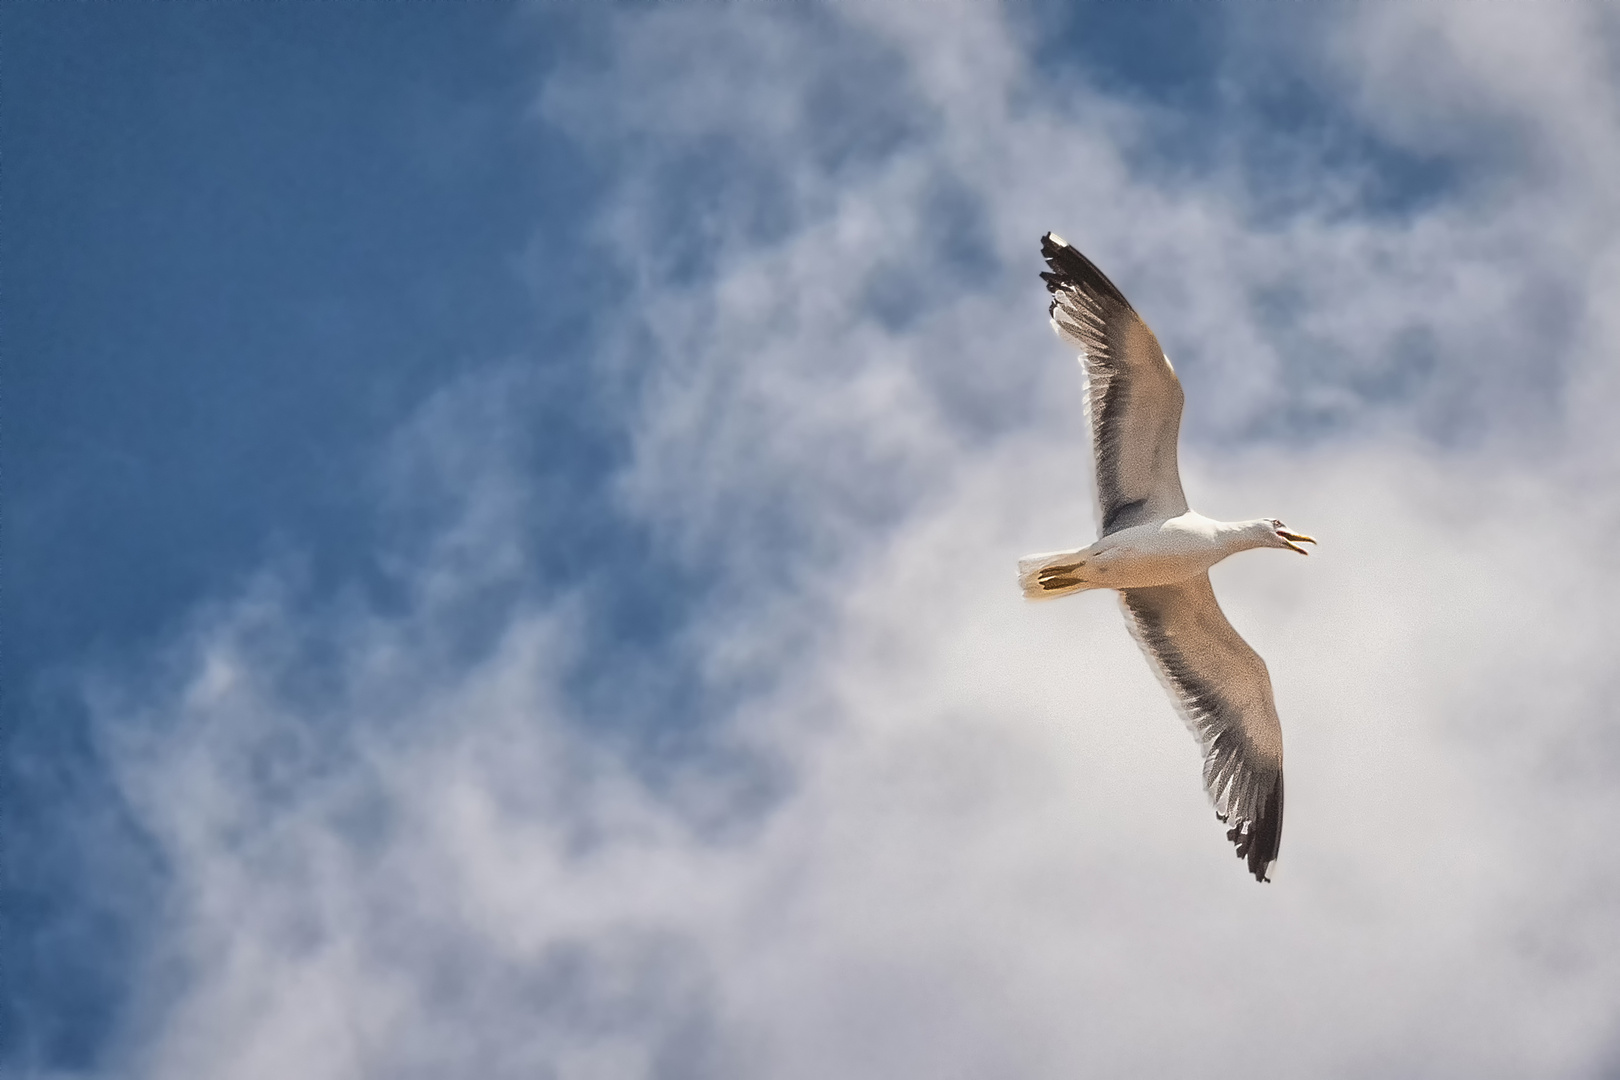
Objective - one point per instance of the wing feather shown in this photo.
(1133, 398)
(1223, 691)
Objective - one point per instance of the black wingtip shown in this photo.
(1258, 841)
(1070, 269)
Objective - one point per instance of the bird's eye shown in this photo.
(1275, 524)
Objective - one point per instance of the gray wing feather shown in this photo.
(1133, 398)
(1221, 687)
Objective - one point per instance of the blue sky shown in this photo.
(243, 245)
(509, 518)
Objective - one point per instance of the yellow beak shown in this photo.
(1295, 539)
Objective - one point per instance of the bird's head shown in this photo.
(1278, 535)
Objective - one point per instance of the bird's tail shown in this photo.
(1054, 574)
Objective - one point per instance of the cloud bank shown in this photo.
(916, 827)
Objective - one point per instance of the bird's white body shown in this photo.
(1155, 553)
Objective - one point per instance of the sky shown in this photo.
(511, 516)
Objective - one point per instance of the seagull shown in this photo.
(1157, 554)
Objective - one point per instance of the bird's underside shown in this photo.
(1217, 682)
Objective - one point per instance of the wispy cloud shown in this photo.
(931, 830)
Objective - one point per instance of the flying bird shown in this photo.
(1157, 554)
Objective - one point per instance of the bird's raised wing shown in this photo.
(1222, 690)
(1133, 398)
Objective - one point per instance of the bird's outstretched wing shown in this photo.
(1222, 689)
(1133, 398)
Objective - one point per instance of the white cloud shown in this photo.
(984, 851)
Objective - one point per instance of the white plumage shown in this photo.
(1157, 553)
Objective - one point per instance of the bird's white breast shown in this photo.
(1158, 553)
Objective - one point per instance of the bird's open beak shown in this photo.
(1295, 539)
